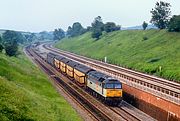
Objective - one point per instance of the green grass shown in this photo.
(128, 49)
(26, 93)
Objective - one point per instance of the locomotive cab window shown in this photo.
(109, 86)
(117, 86)
(113, 86)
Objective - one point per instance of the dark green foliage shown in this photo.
(174, 24)
(160, 14)
(11, 36)
(11, 40)
(96, 34)
(58, 34)
(144, 25)
(0, 40)
(11, 49)
(75, 30)
(97, 27)
(111, 26)
(145, 38)
(153, 60)
(44, 35)
(89, 28)
(30, 37)
(1, 48)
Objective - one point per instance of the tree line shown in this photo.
(97, 27)
(160, 18)
(10, 40)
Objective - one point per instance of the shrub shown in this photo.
(145, 38)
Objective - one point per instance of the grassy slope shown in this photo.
(128, 49)
(26, 93)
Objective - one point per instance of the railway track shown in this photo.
(93, 106)
(160, 87)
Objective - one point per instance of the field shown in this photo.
(26, 93)
(154, 52)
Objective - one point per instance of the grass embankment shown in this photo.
(26, 93)
(158, 55)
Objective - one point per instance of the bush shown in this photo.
(11, 50)
(96, 34)
(145, 38)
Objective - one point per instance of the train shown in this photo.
(100, 85)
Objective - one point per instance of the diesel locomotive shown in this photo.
(100, 85)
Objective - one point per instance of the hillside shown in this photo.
(158, 55)
(26, 93)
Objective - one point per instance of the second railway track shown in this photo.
(163, 88)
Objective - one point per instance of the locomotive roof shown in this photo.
(98, 76)
(52, 54)
(72, 63)
(83, 69)
(59, 57)
(65, 60)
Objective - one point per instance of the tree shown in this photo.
(11, 36)
(97, 27)
(144, 25)
(11, 50)
(69, 31)
(96, 34)
(10, 42)
(161, 14)
(75, 30)
(44, 35)
(30, 37)
(111, 26)
(58, 34)
(174, 24)
(0, 40)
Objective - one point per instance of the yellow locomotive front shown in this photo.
(113, 90)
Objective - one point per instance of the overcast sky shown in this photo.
(39, 15)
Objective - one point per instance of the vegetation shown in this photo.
(126, 48)
(110, 27)
(58, 34)
(27, 95)
(11, 40)
(144, 25)
(174, 24)
(97, 27)
(30, 37)
(1, 45)
(161, 15)
(75, 30)
(44, 35)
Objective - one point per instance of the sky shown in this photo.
(40, 15)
